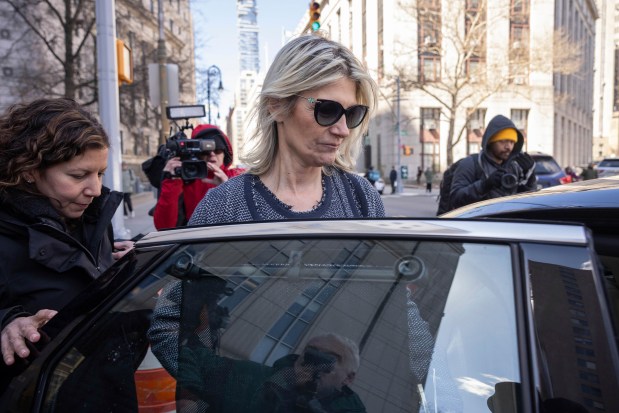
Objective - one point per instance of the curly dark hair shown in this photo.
(45, 132)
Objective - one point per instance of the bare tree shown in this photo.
(62, 30)
(450, 62)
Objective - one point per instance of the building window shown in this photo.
(7, 71)
(520, 117)
(475, 127)
(519, 41)
(430, 138)
(430, 68)
(429, 43)
(475, 39)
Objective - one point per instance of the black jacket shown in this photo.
(43, 264)
(467, 185)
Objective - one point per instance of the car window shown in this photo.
(546, 165)
(574, 353)
(609, 163)
(434, 323)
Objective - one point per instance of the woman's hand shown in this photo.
(121, 248)
(219, 176)
(14, 336)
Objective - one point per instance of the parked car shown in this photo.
(548, 171)
(608, 167)
(447, 315)
(380, 185)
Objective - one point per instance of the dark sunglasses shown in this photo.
(328, 112)
(217, 152)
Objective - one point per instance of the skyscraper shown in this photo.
(248, 35)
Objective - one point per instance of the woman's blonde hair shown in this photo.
(304, 63)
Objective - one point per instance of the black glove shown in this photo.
(525, 161)
(494, 180)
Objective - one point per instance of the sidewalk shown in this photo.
(142, 223)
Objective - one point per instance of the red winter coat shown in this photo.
(175, 193)
(167, 214)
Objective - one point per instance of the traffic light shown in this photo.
(124, 61)
(407, 150)
(314, 13)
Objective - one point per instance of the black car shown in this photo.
(430, 315)
(594, 203)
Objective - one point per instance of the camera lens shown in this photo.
(509, 181)
(194, 170)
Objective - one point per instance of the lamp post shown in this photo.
(212, 71)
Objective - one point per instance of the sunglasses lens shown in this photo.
(355, 115)
(327, 112)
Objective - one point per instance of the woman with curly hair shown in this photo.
(55, 216)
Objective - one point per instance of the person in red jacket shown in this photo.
(178, 198)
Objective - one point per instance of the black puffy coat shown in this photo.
(43, 264)
(468, 181)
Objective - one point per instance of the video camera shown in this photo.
(192, 167)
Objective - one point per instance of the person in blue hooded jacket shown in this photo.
(500, 169)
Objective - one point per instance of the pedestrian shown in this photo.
(419, 173)
(312, 114)
(569, 171)
(372, 175)
(178, 198)
(589, 172)
(429, 175)
(393, 177)
(128, 185)
(500, 169)
(55, 218)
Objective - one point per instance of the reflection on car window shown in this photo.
(574, 348)
(389, 298)
(311, 325)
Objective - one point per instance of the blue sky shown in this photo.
(216, 35)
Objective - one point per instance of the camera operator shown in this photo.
(178, 197)
(500, 169)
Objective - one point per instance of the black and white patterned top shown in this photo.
(245, 198)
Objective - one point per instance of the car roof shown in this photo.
(602, 193)
(463, 229)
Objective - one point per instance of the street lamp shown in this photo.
(212, 71)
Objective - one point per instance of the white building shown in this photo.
(426, 42)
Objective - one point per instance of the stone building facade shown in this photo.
(34, 63)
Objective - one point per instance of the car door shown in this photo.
(377, 316)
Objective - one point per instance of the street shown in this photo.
(413, 202)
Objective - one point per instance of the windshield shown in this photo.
(546, 165)
(609, 163)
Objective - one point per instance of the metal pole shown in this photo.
(208, 93)
(400, 188)
(107, 75)
(216, 71)
(163, 78)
